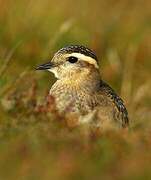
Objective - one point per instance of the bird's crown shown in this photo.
(78, 49)
(74, 53)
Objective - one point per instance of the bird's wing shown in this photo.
(121, 113)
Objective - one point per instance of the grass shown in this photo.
(41, 145)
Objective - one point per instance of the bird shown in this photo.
(80, 89)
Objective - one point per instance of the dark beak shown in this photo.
(45, 66)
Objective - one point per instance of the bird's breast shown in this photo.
(72, 98)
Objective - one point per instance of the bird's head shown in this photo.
(71, 60)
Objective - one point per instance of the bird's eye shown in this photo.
(72, 59)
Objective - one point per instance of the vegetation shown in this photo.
(35, 141)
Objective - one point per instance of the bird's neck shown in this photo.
(88, 80)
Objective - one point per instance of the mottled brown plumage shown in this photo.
(79, 88)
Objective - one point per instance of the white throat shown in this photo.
(53, 70)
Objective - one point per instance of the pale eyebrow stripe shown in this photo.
(88, 59)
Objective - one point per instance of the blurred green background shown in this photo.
(32, 144)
